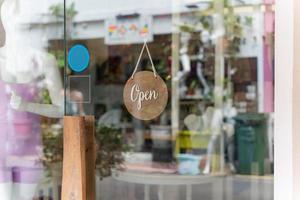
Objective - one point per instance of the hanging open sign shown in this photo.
(145, 94)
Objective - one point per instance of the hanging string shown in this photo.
(139, 59)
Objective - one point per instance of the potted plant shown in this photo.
(192, 88)
(111, 148)
(109, 153)
(52, 139)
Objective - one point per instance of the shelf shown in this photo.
(164, 179)
(191, 97)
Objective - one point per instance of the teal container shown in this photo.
(251, 133)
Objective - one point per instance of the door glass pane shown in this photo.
(214, 139)
(216, 59)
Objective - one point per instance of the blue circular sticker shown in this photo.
(78, 58)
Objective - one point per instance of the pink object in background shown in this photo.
(269, 22)
(268, 76)
(269, 28)
(269, 1)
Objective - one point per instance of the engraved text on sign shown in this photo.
(145, 95)
(139, 96)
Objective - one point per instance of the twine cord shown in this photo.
(139, 59)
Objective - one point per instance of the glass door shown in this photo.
(213, 139)
(211, 134)
(182, 93)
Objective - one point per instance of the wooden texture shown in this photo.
(79, 159)
(147, 90)
(90, 150)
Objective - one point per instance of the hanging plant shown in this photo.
(233, 24)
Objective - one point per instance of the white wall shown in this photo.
(284, 52)
(296, 102)
(106, 8)
(101, 9)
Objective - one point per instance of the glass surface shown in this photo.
(214, 139)
(31, 99)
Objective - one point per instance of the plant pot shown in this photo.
(161, 143)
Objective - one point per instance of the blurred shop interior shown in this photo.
(242, 140)
(217, 60)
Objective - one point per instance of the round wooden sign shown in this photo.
(145, 95)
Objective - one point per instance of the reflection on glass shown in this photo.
(213, 141)
(31, 93)
(215, 134)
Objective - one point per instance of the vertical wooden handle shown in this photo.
(90, 155)
(78, 163)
